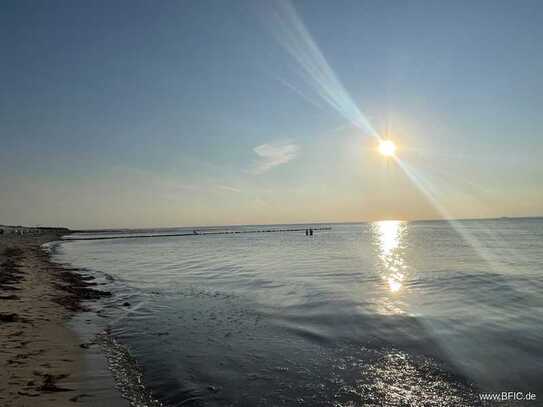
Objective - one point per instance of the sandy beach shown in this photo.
(41, 357)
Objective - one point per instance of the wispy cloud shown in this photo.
(272, 155)
(183, 187)
(228, 188)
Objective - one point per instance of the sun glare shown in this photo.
(387, 148)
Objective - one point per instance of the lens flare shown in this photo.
(387, 148)
(291, 33)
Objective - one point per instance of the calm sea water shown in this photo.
(387, 313)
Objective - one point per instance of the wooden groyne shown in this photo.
(198, 233)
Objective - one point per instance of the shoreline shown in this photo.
(42, 358)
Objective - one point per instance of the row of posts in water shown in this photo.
(308, 232)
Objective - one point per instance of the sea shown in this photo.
(390, 313)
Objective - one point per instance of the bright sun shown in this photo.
(387, 148)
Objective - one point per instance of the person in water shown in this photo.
(310, 232)
(307, 232)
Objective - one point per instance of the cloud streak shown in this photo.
(228, 188)
(272, 155)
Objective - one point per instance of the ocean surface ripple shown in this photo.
(386, 313)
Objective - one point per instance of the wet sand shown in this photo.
(40, 357)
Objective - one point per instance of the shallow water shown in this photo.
(386, 313)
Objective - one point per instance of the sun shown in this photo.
(387, 148)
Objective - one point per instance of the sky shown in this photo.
(179, 113)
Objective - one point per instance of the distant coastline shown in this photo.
(33, 230)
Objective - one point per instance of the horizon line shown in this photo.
(104, 229)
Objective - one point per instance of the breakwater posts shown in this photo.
(196, 233)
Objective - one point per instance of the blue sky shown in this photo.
(195, 112)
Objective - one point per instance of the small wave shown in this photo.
(126, 372)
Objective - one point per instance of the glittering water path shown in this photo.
(386, 313)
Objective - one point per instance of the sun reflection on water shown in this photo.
(390, 242)
(394, 284)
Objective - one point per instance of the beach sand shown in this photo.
(40, 357)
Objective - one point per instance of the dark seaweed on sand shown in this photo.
(76, 287)
(9, 317)
(10, 274)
